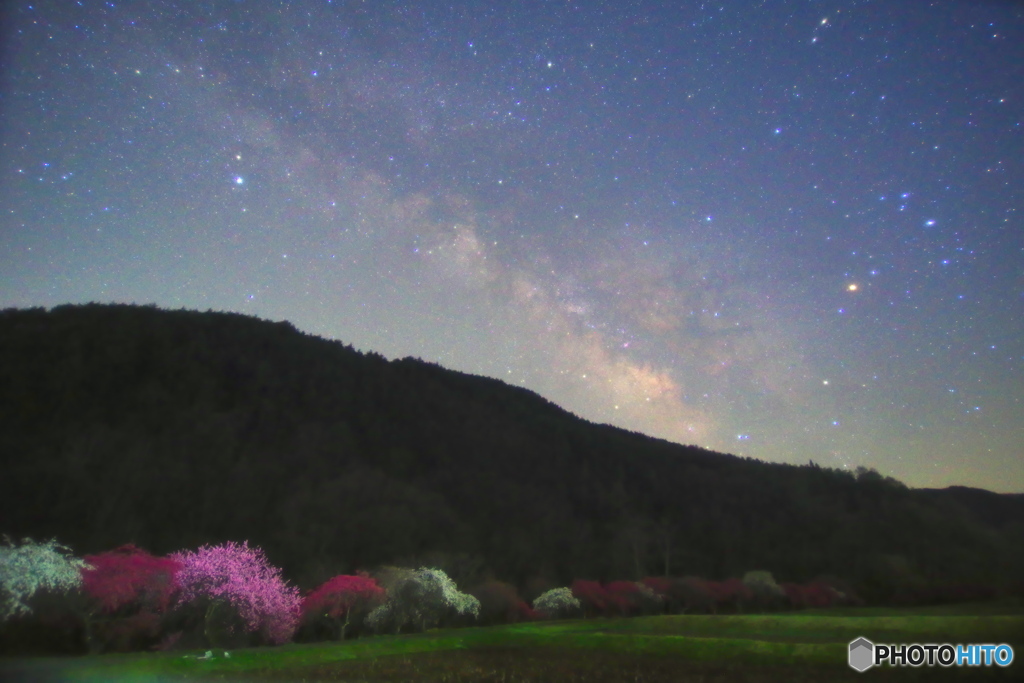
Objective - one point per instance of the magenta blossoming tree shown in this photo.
(236, 577)
(129, 578)
(125, 591)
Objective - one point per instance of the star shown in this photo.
(474, 203)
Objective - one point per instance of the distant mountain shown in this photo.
(171, 429)
(998, 511)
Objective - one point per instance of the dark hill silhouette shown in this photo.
(170, 429)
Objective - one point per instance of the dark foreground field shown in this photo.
(808, 646)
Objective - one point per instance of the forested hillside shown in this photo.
(170, 429)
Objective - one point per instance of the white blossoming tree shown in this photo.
(422, 599)
(32, 567)
(766, 592)
(557, 602)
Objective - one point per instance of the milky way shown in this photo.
(789, 231)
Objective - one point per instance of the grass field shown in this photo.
(804, 646)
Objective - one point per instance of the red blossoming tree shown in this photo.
(592, 597)
(633, 597)
(342, 601)
(820, 594)
(500, 603)
(816, 593)
(730, 594)
(125, 591)
(795, 595)
(621, 596)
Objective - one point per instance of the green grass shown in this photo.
(800, 646)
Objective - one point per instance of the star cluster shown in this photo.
(788, 230)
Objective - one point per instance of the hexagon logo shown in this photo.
(862, 654)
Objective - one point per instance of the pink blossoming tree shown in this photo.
(236, 577)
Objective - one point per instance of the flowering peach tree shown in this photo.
(235, 576)
(126, 590)
(343, 600)
(592, 596)
(500, 603)
(632, 597)
(129, 578)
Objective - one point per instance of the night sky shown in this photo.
(786, 230)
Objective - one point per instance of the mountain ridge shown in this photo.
(123, 423)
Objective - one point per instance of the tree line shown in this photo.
(231, 595)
